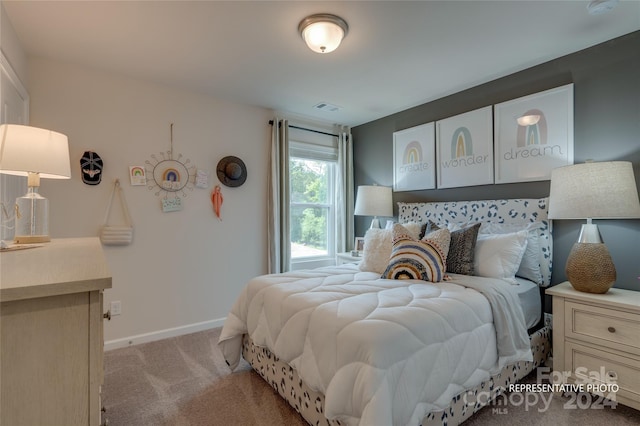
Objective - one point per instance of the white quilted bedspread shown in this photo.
(383, 352)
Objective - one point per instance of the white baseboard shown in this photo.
(162, 334)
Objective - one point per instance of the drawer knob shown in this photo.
(612, 374)
(611, 330)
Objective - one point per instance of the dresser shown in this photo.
(599, 336)
(51, 337)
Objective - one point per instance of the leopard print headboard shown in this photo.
(523, 212)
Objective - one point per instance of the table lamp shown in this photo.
(35, 153)
(374, 200)
(593, 190)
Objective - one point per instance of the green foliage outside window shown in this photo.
(309, 181)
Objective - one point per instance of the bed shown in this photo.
(346, 347)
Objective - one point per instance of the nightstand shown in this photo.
(346, 257)
(598, 335)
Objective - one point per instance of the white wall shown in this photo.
(183, 268)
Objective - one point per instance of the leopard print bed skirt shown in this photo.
(310, 404)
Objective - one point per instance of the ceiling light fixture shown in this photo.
(323, 32)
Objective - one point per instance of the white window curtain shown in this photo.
(344, 194)
(278, 233)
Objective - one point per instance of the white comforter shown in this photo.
(383, 352)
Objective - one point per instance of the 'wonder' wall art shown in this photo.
(464, 149)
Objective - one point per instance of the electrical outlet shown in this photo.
(548, 320)
(116, 308)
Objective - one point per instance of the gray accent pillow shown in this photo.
(461, 248)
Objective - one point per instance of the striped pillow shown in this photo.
(424, 259)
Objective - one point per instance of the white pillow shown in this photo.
(378, 244)
(499, 255)
(530, 264)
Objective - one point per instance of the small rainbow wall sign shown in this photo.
(137, 175)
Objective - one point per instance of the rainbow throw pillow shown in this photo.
(424, 259)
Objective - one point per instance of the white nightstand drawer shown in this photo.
(603, 326)
(622, 371)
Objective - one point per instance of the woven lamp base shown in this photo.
(590, 268)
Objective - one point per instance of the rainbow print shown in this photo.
(412, 153)
(413, 162)
(461, 143)
(535, 134)
(137, 175)
(171, 175)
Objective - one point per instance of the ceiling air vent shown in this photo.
(598, 7)
(324, 106)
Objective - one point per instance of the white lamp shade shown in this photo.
(323, 37)
(374, 201)
(604, 190)
(25, 149)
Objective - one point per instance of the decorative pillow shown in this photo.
(530, 264)
(461, 249)
(499, 255)
(418, 259)
(377, 247)
(432, 226)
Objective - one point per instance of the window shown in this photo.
(312, 175)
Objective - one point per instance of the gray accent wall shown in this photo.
(606, 82)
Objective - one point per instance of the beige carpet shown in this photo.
(184, 381)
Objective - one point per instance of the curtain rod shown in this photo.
(307, 130)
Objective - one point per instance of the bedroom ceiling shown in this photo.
(396, 55)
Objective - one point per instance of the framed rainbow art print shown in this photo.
(414, 162)
(137, 175)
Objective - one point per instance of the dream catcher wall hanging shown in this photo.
(171, 177)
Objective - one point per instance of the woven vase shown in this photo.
(590, 268)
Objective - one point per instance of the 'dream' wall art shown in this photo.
(529, 152)
(414, 165)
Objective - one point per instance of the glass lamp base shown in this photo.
(32, 220)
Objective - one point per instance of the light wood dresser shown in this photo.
(598, 335)
(51, 337)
